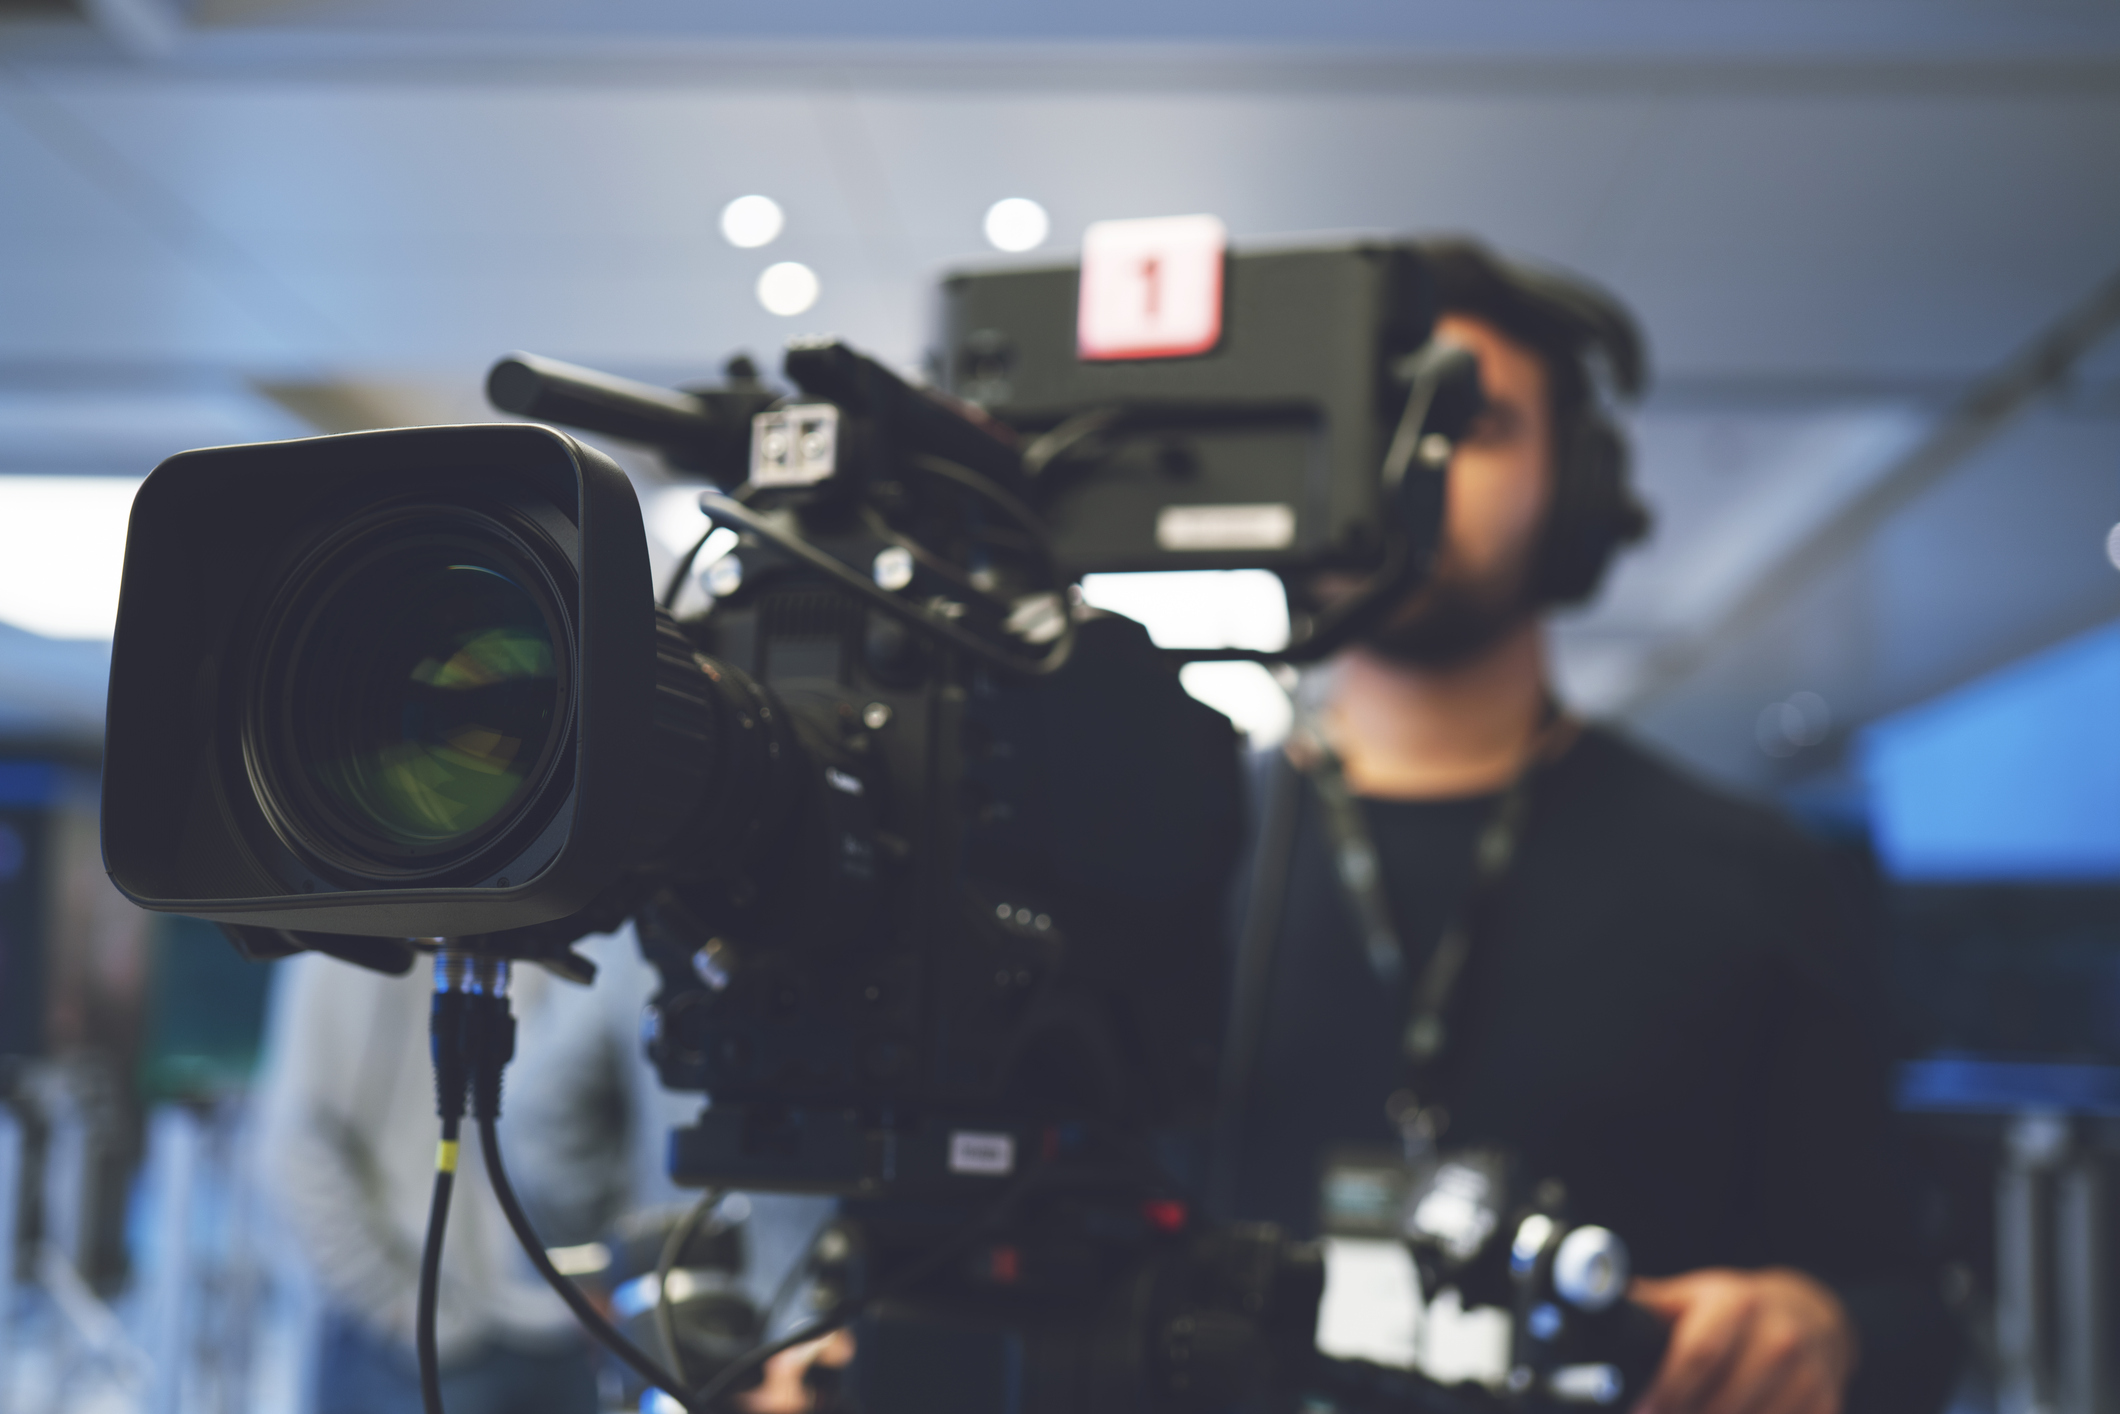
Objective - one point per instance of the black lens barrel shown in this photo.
(729, 762)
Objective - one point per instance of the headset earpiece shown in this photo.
(1594, 511)
(1594, 351)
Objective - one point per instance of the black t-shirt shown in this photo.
(1671, 1011)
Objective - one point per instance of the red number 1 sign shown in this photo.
(1151, 289)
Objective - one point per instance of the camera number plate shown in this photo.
(1152, 288)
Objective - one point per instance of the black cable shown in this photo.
(592, 1320)
(431, 1272)
(684, 568)
(673, 1247)
(1026, 519)
(845, 1311)
(928, 560)
(792, 1278)
(927, 621)
(676, 585)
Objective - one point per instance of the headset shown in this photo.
(1595, 353)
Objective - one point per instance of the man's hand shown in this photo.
(785, 1390)
(1764, 1342)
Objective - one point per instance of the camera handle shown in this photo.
(704, 430)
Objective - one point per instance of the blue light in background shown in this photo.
(28, 782)
(2014, 776)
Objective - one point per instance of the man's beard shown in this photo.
(1448, 622)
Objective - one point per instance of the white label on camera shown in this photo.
(1151, 289)
(841, 781)
(1261, 527)
(973, 1152)
(1371, 1309)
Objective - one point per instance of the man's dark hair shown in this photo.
(1593, 353)
(1586, 337)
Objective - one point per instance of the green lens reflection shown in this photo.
(447, 694)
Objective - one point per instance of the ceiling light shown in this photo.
(751, 221)
(1017, 223)
(787, 288)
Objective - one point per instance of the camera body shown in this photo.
(988, 931)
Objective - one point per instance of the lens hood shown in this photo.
(239, 787)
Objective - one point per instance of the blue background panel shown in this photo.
(2014, 776)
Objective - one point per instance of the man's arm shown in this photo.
(1852, 1313)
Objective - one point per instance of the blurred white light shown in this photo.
(717, 549)
(787, 288)
(586, 1260)
(752, 221)
(723, 575)
(675, 519)
(62, 551)
(1198, 608)
(1017, 223)
(2112, 546)
(1247, 694)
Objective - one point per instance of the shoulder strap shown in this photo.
(1360, 871)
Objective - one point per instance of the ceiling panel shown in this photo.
(2004, 555)
(1916, 234)
(1894, 26)
(86, 273)
(1877, 236)
(1909, 236)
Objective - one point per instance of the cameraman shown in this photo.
(1652, 992)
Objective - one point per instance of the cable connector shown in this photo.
(471, 1033)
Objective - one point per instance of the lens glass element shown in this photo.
(426, 696)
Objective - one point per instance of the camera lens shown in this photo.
(413, 696)
(453, 697)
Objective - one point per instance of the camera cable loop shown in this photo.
(680, 1237)
(472, 1035)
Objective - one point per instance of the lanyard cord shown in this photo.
(1360, 870)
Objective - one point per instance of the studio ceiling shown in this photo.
(1835, 220)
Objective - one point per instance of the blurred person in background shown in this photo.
(1562, 945)
(347, 1134)
(347, 1139)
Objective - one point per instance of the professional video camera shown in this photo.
(930, 858)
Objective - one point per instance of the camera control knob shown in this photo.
(893, 569)
(723, 577)
(1590, 1270)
